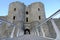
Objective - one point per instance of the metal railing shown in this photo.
(14, 25)
(49, 18)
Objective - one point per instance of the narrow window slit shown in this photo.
(39, 17)
(26, 19)
(13, 17)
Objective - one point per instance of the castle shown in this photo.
(26, 19)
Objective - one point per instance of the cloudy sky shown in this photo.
(51, 6)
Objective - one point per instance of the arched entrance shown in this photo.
(26, 31)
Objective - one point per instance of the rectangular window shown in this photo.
(14, 9)
(38, 9)
(13, 17)
(26, 19)
(39, 17)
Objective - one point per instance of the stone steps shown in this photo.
(28, 37)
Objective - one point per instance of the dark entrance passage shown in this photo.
(26, 31)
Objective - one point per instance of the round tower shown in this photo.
(16, 12)
(16, 15)
(36, 15)
(37, 12)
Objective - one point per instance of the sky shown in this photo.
(51, 6)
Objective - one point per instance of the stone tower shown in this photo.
(35, 15)
(27, 18)
(16, 15)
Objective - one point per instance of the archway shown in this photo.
(26, 31)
